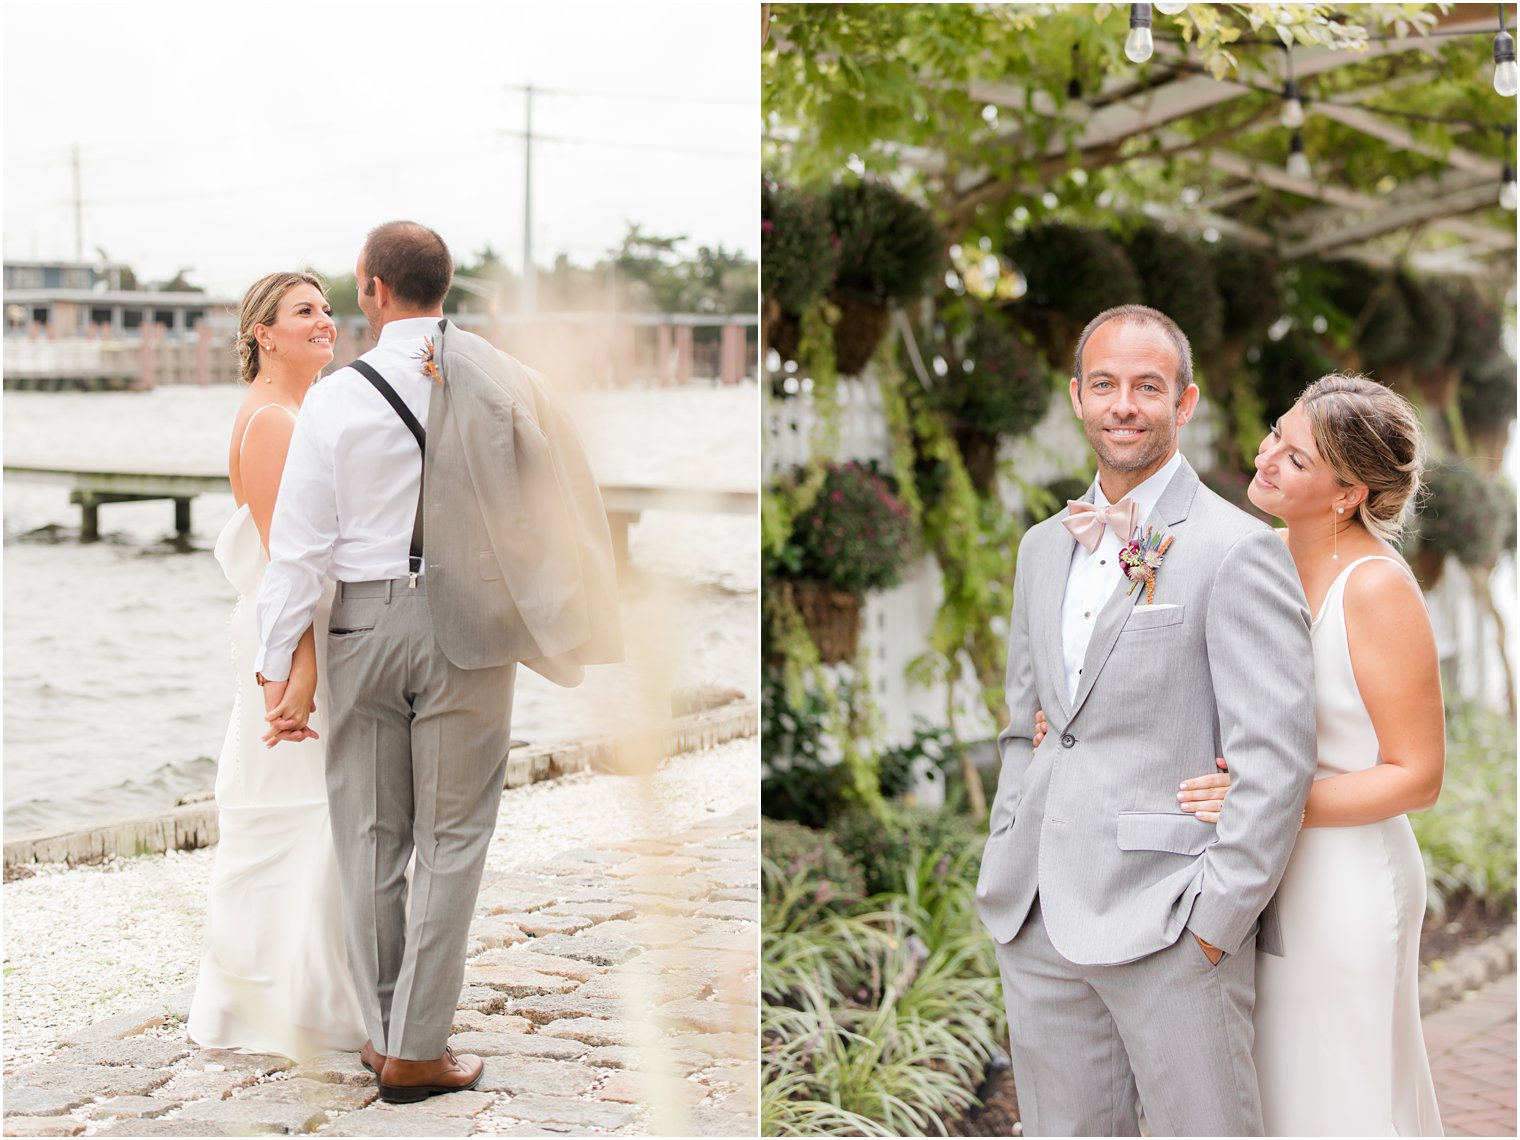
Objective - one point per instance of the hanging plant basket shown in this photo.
(979, 453)
(1073, 274)
(1373, 306)
(1438, 386)
(1177, 277)
(1458, 514)
(783, 330)
(855, 536)
(996, 386)
(1055, 334)
(832, 617)
(861, 327)
(889, 252)
(797, 246)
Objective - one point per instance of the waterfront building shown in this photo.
(66, 299)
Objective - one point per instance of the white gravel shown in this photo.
(91, 942)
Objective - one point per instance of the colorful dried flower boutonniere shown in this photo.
(1141, 559)
(426, 356)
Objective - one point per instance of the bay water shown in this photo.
(117, 677)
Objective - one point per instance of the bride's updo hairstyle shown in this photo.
(1369, 434)
(260, 304)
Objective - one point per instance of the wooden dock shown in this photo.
(90, 488)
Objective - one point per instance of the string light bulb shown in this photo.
(1298, 161)
(1292, 107)
(1506, 76)
(1138, 45)
(1171, 9)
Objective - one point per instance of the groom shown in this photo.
(458, 550)
(1126, 929)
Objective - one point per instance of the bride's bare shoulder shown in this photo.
(260, 438)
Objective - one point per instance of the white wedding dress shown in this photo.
(1339, 1048)
(274, 976)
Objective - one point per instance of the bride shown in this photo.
(1339, 1049)
(273, 976)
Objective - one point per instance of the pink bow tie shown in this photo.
(1086, 522)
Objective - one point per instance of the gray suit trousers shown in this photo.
(416, 761)
(1168, 1030)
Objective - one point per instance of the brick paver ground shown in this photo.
(1472, 1057)
(610, 989)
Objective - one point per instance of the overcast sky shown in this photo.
(237, 138)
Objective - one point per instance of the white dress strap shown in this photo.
(249, 424)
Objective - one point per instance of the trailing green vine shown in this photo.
(974, 539)
(849, 714)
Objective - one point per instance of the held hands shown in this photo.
(287, 706)
(1204, 795)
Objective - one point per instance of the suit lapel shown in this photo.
(1171, 509)
(438, 400)
(1055, 568)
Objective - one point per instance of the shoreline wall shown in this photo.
(192, 826)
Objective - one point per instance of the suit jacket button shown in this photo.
(1068, 741)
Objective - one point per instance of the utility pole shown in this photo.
(528, 294)
(78, 211)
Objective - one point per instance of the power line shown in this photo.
(686, 100)
(634, 144)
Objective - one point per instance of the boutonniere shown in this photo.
(1141, 559)
(426, 356)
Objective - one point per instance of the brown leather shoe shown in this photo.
(406, 1082)
(371, 1058)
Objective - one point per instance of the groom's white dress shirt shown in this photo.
(1094, 573)
(348, 495)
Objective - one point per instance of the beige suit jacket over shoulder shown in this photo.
(518, 552)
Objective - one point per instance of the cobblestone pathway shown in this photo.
(1472, 1057)
(611, 989)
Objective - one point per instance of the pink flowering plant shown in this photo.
(856, 536)
(798, 243)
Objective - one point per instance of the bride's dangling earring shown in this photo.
(1335, 535)
(269, 348)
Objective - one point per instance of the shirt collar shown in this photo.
(1145, 496)
(408, 328)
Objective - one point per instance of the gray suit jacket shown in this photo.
(1090, 819)
(518, 552)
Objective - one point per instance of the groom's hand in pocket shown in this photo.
(1211, 952)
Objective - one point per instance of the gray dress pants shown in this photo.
(416, 761)
(1169, 1031)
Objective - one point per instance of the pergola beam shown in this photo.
(1199, 219)
(1421, 191)
(1368, 123)
(1350, 216)
(1397, 218)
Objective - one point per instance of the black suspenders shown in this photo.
(414, 560)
